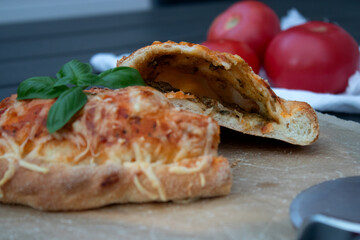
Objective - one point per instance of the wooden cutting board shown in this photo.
(267, 175)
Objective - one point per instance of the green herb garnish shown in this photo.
(68, 87)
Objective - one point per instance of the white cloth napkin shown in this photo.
(104, 61)
(347, 102)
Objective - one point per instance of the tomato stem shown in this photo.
(319, 29)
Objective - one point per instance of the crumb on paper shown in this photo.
(234, 163)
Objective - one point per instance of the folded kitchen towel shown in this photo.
(347, 102)
(104, 61)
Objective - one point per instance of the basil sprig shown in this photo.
(68, 87)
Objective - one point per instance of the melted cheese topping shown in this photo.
(13, 156)
(201, 81)
(179, 95)
(9, 172)
(202, 180)
(134, 126)
(142, 189)
(186, 170)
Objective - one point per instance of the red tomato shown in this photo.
(235, 47)
(250, 22)
(315, 56)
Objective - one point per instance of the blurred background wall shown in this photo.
(16, 11)
(12, 11)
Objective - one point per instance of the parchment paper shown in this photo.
(267, 175)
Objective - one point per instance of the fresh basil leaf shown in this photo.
(72, 72)
(89, 80)
(65, 107)
(39, 87)
(71, 100)
(120, 77)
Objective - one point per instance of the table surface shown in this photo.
(267, 175)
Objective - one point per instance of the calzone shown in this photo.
(223, 86)
(125, 145)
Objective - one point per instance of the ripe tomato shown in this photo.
(251, 22)
(315, 56)
(235, 47)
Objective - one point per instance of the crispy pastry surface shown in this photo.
(126, 145)
(224, 87)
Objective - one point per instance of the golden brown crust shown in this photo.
(67, 187)
(226, 88)
(126, 145)
(111, 120)
(304, 109)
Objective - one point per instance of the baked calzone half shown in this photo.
(223, 86)
(125, 145)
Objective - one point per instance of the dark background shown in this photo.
(41, 48)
